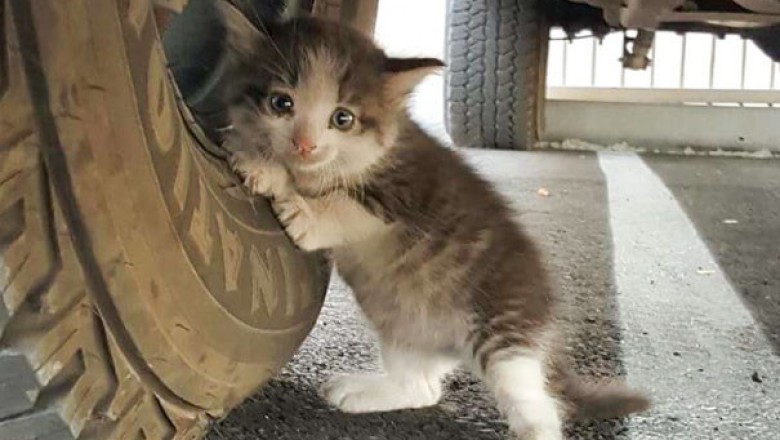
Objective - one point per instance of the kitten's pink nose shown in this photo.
(303, 145)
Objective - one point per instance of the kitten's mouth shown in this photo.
(312, 161)
(309, 163)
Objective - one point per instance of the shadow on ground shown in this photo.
(289, 410)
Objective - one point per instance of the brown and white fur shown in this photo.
(441, 270)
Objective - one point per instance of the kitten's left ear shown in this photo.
(401, 75)
(241, 35)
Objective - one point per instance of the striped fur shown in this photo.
(431, 251)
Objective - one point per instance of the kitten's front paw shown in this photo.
(260, 176)
(365, 393)
(536, 433)
(297, 221)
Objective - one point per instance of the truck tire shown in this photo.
(768, 40)
(143, 293)
(494, 83)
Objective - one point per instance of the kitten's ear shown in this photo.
(241, 35)
(401, 75)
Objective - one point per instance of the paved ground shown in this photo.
(670, 271)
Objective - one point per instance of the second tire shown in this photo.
(494, 85)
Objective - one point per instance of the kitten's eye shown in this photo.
(281, 103)
(342, 119)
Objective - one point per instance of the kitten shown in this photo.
(441, 270)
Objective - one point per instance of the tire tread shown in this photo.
(495, 51)
(59, 377)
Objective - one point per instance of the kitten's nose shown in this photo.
(304, 145)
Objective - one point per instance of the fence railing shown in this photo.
(692, 69)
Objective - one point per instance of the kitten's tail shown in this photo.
(601, 399)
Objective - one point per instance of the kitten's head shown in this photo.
(320, 97)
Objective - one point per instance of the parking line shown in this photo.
(687, 337)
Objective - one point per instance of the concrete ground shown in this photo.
(669, 268)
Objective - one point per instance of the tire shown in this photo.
(143, 293)
(768, 40)
(494, 84)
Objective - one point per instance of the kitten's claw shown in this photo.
(242, 162)
(365, 393)
(294, 216)
(261, 176)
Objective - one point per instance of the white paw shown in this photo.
(539, 434)
(297, 220)
(364, 393)
(259, 175)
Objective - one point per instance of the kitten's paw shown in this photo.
(297, 221)
(244, 163)
(365, 393)
(260, 176)
(539, 433)
(239, 159)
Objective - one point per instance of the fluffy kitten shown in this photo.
(432, 253)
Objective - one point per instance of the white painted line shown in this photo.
(687, 337)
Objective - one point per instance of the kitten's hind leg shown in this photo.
(412, 379)
(518, 381)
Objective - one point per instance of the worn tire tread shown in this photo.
(496, 51)
(62, 375)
